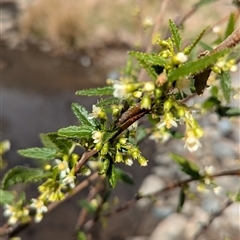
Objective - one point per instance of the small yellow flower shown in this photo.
(97, 136)
(191, 141)
(96, 111)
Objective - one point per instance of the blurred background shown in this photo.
(52, 48)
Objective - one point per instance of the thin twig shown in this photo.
(235, 172)
(84, 212)
(205, 226)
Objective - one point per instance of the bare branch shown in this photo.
(235, 172)
(205, 226)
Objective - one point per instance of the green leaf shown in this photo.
(227, 111)
(38, 153)
(204, 2)
(175, 34)
(83, 115)
(108, 102)
(225, 83)
(186, 166)
(83, 131)
(182, 198)
(233, 112)
(61, 144)
(108, 135)
(149, 69)
(196, 66)
(85, 204)
(23, 175)
(149, 58)
(205, 46)
(81, 236)
(230, 25)
(105, 166)
(111, 173)
(6, 197)
(123, 176)
(96, 91)
(141, 133)
(187, 50)
(211, 102)
(46, 141)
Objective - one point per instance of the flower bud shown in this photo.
(181, 112)
(216, 69)
(167, 105)
(142, 161)
(146, 102)
(179, 58)
(149, 86)
(115, 112)
(158, 93)
(118, 157)
(137, 94)
(123, 141)
(104, 149)
(98, 146)
(164, 44)
(65, 157)
(75, 157)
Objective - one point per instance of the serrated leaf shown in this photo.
(38, 153)
(225, 83)
(187, 50)
(83, 115)
(62, 144)
(96, 91)
(175, 34)
(230, 25)
(108, 102)
(204, 2)
(196, 66)
(111, 173)
(23, 175)
(149, 58)
(141, 133)
(47, 143)
(123, 176)
(85, 204)
(105, 166)
(6, 197)
(149, 69)
(186, 166)
(83, 131)
(205, 46)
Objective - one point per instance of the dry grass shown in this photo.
(75, 24)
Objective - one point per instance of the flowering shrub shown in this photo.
(110, 134)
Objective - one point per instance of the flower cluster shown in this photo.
(207, 183)
(175, 113)
(225, 65)
(40, 208)
(16, 213)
